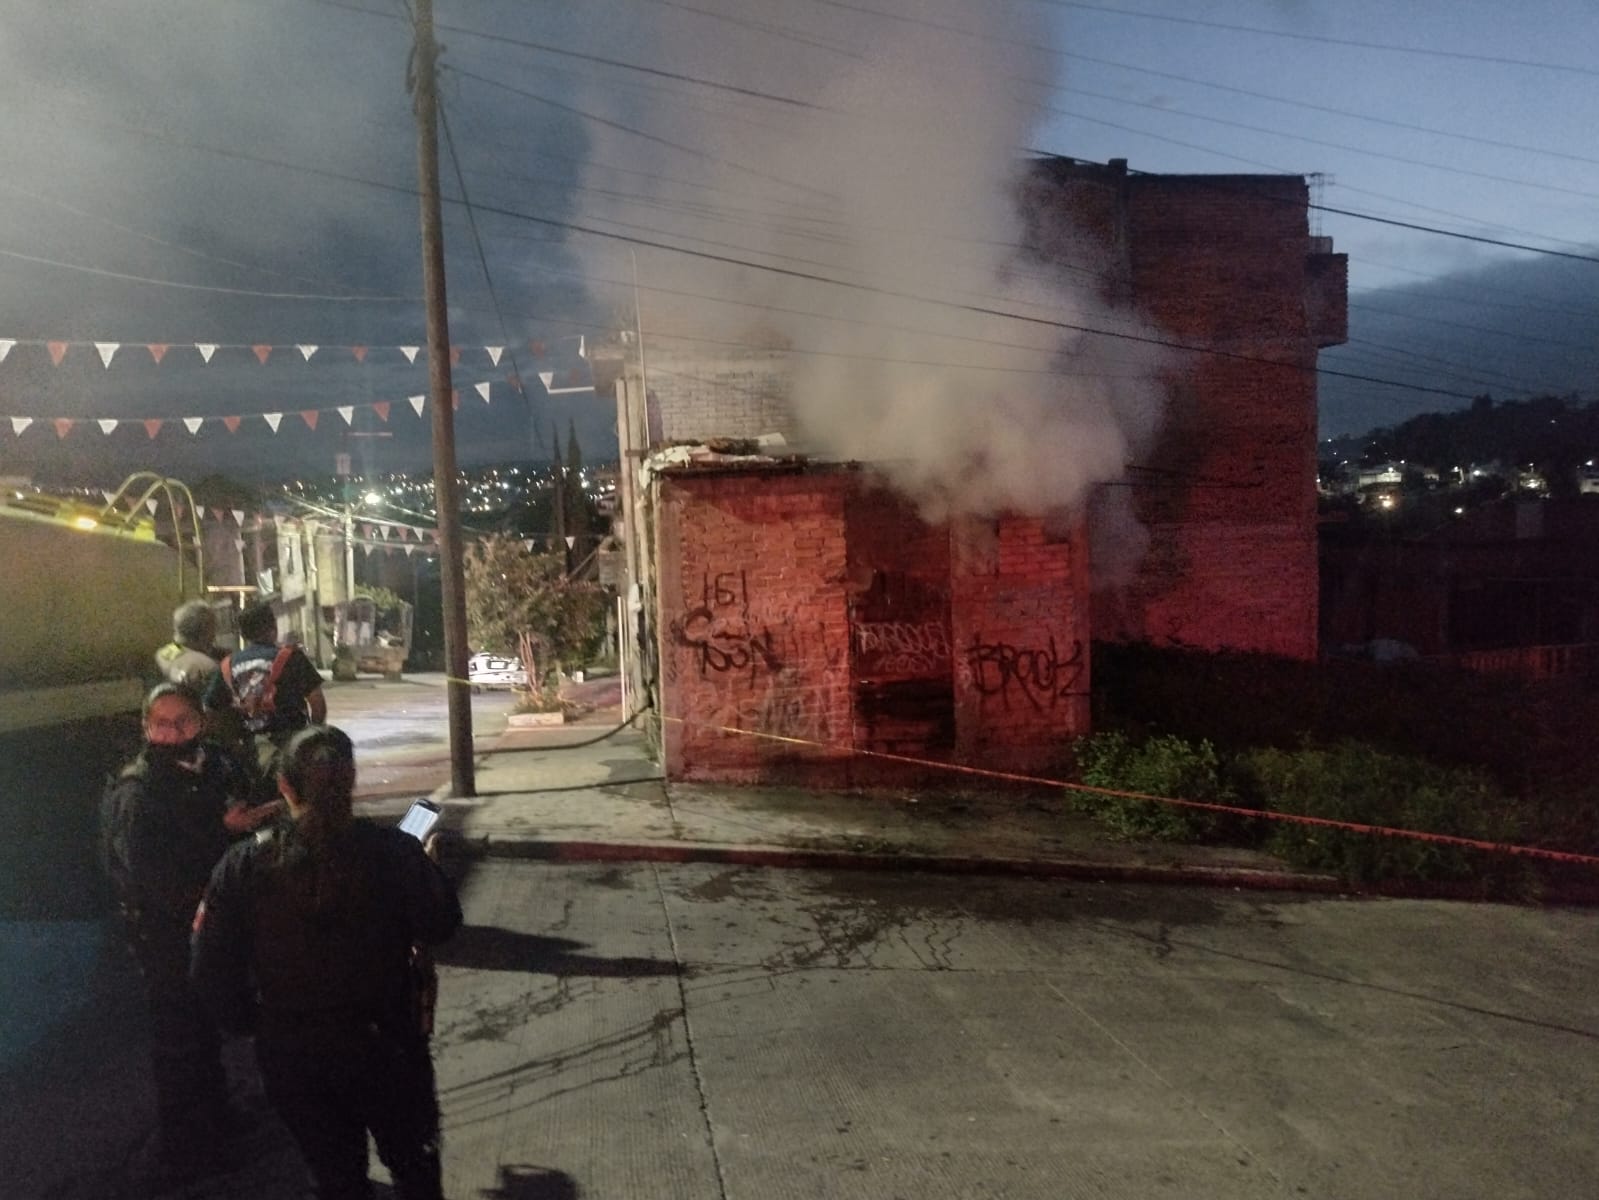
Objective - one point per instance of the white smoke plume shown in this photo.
(891, 164)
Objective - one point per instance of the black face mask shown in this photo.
(183, 754)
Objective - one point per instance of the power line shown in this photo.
(981, 310)
(638, 133)
(1428, 51)
(1399, 158)
(1519, 334)
(488, 279)
(197, 287)
(1323, 108)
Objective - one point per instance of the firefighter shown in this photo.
(191, 656)
(309, 937)
(164, 825)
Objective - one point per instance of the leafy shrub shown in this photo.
(1354, 782)
(1160, 766)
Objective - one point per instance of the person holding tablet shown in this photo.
(308, 937)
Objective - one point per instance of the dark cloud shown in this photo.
(1524, 327)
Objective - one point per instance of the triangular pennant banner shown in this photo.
(238, 543)
(537, 347)
(546, 378)
(582, 346)
(206, 349)
(455, 355)
(152, 427)
(381, 407)
(150, 504)
(107, 351)
(272, 419)
(417, 402)
(5, 347)
(63, 426)
(216, 515)
(405, 532)
(262, 353)
(238, 516)
(231, 424)
(192, 424)
(483, 390)
(570, 542)
(494, 353)
(347, 411)
(410, 550)
(410, 352)
(527, 545)
(359, 352)
(106, 424)
(306, 351)
(309, 415)
(109, 496)
(367, 531)
(58, 351)
(366, 548)
(158, 351)
(18, 424)
(383, 532)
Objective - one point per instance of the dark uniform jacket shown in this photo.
(162, 831)
(281, 938)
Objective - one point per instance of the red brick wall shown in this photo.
(753, 625)
(1229, 512)
(902, 654)
(804, 617)
(1019, 618)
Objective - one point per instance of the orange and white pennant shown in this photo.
(417, 402)
(5, 347)
(206, 349)
(18, 424)
(107, 351)
(272, 419)
(494, 353)
(482, 390)
(192, 424)
(347, 411)
(410, 353)
(306, 352)
(106, 424)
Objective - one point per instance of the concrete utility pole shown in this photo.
(446, 490)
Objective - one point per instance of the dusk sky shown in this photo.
(239, 173)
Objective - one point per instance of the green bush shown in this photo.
(1158, 766)
(1354, 782)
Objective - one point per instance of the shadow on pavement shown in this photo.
(491, 948)
(532, 1183)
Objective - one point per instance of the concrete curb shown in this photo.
(562, 850)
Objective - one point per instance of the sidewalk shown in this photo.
(574, 794)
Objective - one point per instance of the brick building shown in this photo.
(798, 621)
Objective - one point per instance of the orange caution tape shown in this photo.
(1445, 839)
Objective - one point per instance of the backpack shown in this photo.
(255, 689)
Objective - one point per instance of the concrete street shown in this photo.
(701, 1031)
(692, 1029)
(707, 1032)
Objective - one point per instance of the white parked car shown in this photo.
(494, 671)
